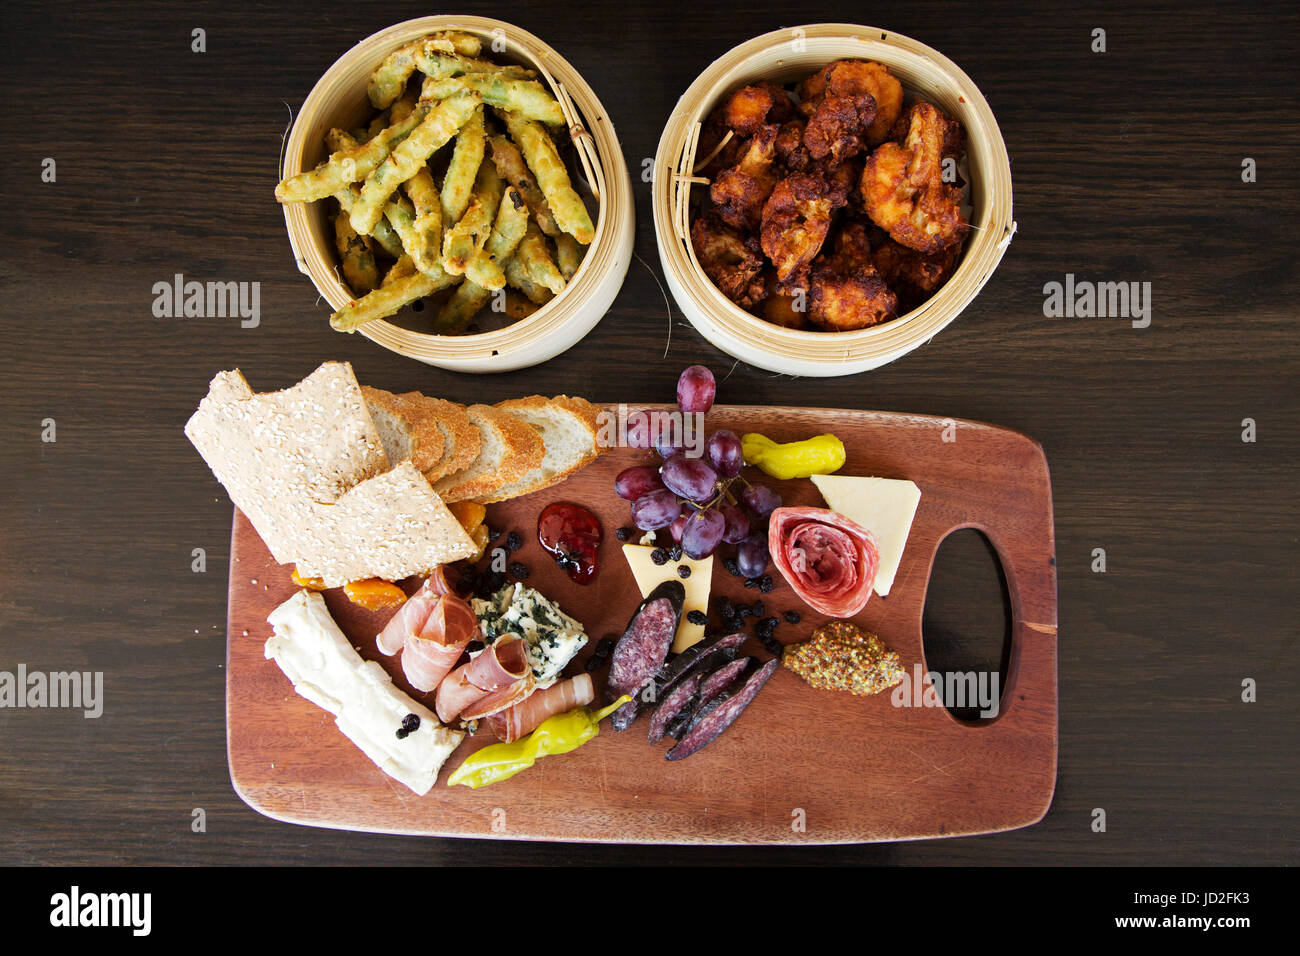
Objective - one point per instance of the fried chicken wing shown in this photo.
(758, 105)
(730, 261)
(903, 190)
(739, 193)
(854, 78)
(846, 292)
(796, 218)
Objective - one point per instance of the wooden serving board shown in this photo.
(800, 765)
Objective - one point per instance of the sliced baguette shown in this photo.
(568, 429)
(510, 449)
(407, 433)
(461, 441)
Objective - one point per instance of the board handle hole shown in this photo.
(966, 626)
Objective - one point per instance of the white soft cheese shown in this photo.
(316, 656)
(553, 638)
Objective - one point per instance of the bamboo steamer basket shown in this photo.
(784, 56)
(339, 99)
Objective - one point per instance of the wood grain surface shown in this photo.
(1127, 166)
(800, 766)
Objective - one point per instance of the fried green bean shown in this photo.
(568, 255)
(462, 170)
(512, 168)
(356, 256)
(517, 276)
(400, 269)
(404, 106)
(349, 165)
(401, 216)
(389, 299)
(533, 255)
(471, 233)
(463, 305)
(434, 131)
(484, 267)
(553, 179)
(528, 98)
(383, 234)
(440, 66)
(387, 82)
(428, 210)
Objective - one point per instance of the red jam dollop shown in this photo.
(572, 535)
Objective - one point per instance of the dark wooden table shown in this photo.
(1127, 167)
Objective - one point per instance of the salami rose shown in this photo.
(829, 560)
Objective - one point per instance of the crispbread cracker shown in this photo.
(307, 467)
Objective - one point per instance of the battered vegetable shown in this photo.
(556, 735)
(466, 157)
(528, 98)
(820, 455)
(433, 132)
(539, 152)
(469, 235)
(349, 165)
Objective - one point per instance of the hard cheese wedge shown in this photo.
(884, 506)
(650, 575)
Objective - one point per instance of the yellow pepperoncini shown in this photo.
(820, 455)
(555, 735)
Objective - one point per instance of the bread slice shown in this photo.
(405, 431)
(461, 441)
(510, 449)
(568, 428)
(308, 468)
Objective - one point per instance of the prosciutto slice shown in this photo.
(828, 560)
(427, 655)
(525, 717)
(501, 665)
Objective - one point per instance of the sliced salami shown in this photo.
(670, 705)
(690, 660)
(722, 711)
(712, 684)
(640, 652)
(828, 560)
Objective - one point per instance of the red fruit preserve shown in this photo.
(572, 535)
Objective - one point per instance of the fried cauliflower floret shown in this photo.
(739, 193)
(902, 186)
(731, 262)
(758, 105)
(846, 291)
(837, 127)
(854, 78)
(901, 266)
(796, 218)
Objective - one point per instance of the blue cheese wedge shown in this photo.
(404, 738)
(552, 636)
(884, 506)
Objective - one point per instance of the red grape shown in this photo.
(634, 482)
(637, 430)
(752, 555)
(702, 533)
(725, 453)
(689, 477)
(695, 389)
(656, 509)
(761, 500)
(737, 524)
(678, 525)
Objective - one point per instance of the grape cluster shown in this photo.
(703, 502)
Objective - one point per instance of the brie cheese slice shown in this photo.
(884, 506)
